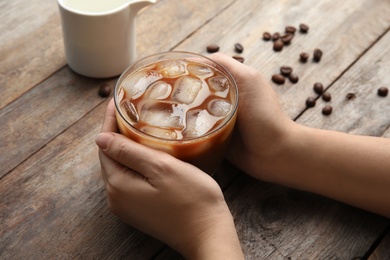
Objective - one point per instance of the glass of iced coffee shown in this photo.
(182, 103)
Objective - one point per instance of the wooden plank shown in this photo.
(44, 208)
(44, 112)
(31, 46)
(41, 110)
(336, 29)
(274, 222)
(54, 204)
(357, 109)
(337, 234)
(60, 197)
(383, 250)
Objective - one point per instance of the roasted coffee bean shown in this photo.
(286, 39)
(104, 90)
(310, 102)
(239, 58)
(327, 110)
(212, 48)
(286, 70)
(276, 36)
(267, 36)
(318, 88)
(303, 56)
(278, 79)
(350, 96)
(293, 78)
(278, 45)
(326, 96)
(238, 48)
(303, 28)
(317, 55)
(290, 29)
(383, 91)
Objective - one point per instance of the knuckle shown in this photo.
(163, 163)
(121, 150)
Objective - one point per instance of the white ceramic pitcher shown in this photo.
(99, 35)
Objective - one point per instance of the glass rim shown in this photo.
(184, 140)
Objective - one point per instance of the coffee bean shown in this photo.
(212, 48)
(350, 96)
(286, 70)
(278, 79)
(267, 36)
(326, 96)
(293, 78)
(303, 56)
(310, 102)
(303, 28)
(276, 36)
(327, 110)
(278, 45)
(104, 90)
(238, 47)
(290, 29)
(383, 91)
(317, 55)
(318, 88)
(239, 58)
(286, 39)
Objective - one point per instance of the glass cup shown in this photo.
(179, 102)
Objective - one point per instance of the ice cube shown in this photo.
(199, 70)
(198, 123)
(160, 132)
(219, 84)
(186, 89)
(129, 111)
(161, 114)
(158, 90)
(172, 68)
(219, 107)
(136, 84)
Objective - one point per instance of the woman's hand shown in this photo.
(262, 129)
(164, 197)
(267, 145)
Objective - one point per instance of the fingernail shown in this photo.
(103, 139)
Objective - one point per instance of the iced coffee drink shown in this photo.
(181, 103)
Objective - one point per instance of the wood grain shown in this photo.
(31, 121)
(54, 104)
(343, 31)
(357, 108)
(383, 250)
(52, 202)
(274, 222)
(32, 46)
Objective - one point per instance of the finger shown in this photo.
(109, 122)
(117, 175)
(142, 159)
(232, 65)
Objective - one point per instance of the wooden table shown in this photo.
(52, 197)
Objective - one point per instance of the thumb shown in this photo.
(133, 155)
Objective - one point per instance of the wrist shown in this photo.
(215, 237)
(272, 158)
